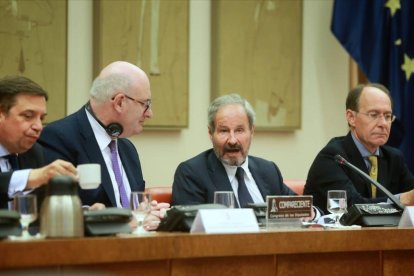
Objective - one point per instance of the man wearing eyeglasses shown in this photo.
(369, 116)
(119, 104)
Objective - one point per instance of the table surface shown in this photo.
(162, 246)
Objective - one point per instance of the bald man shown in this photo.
(119, 104)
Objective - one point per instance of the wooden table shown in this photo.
(380, 251)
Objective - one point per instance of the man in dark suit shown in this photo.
(369, 116)
(120, 102)
(231, 128)
(22, 110)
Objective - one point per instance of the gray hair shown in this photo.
(104, 88)
(227, 100)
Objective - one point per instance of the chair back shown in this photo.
(296, 185)
(160, 194)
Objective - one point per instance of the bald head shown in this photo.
(121, 67)
(118, 77)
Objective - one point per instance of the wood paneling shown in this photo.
(380, 251)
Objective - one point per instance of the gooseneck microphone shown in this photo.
(343, 161)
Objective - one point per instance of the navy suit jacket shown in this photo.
(72, 139)
(326, 174)
(31, 159)
(197, 179)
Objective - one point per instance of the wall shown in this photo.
(324, 86)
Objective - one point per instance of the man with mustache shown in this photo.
(231, 127)
(369, 116)
(22, 168)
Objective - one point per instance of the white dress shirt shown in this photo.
(18, 180)
(248, 179)
(103, 141)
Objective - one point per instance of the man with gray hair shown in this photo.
(120, 102)
(227, 166)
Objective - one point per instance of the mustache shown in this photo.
(236, 147)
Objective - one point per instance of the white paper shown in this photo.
(225, 221)
(407, 217)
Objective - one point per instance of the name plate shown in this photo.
(225, 221)
(288, 207)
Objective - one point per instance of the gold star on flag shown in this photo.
(393, 5)
(408, 66)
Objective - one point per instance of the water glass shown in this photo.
(225, 198)
(336, 203)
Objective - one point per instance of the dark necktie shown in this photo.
(243, 193)
(14, 163)
(118, 175)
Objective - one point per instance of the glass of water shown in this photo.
(26, 205)
(225, 198)
(337, 203)
(140, 207)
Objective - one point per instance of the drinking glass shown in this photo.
(26, 205)
(140, 207)
(225, 198)
(337, 204)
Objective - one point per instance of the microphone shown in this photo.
(343, 161)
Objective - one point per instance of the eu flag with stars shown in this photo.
(379, 35)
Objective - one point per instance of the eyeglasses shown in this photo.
(374, 116)
(146, 104)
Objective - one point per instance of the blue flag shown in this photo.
(379, 35)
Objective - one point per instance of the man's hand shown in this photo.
(96, 206)
(407, 198)
(41, 176)
(158, 210)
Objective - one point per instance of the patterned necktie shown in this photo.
(14, 163)
(243, 193)
(118, 176)
(373, 173)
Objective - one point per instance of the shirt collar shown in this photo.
(231, 170)
(3, 151)
(362, 149)
(101, 136)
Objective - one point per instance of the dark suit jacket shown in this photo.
(31, 159)
(72, 139)
(326, 174)
(197, 179)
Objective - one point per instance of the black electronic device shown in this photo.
(9, 223)
(113, 129)
(108, 221)
(259, 210)
(181, 217)
(372, 214)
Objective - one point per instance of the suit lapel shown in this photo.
(128, 165)
(382, 169)
(355, 158)
(92, 150)
(253, 167)
(218, 173)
